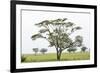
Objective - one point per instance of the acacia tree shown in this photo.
(78, 41)
(72, 49)
(43, 50)
(35, 50)
(57, 32)
(83, 49)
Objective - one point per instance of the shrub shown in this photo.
(23, 58)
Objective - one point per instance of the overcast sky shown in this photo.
(29, 18)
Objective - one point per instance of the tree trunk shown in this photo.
(43, 53)
(59, 55)
(35, 53)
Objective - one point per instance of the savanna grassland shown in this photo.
(52, 57)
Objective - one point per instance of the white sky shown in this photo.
(29, 18)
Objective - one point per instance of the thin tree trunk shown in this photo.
(58, 57)
(43, 53)
(35, 53)
(59, 54)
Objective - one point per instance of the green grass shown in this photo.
(52, 57)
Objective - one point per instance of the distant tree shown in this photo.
(43, 50)
(72, 49)
(78, 41)
(35, 50)
(83, 49)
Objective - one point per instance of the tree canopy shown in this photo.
(57, 33)
(35, 50)
(43, 50)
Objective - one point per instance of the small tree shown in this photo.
(35, 50)
(43, 50)
(83, 49)
(78, 41)
(74, 50)
(71, 50)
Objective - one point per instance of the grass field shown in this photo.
(52, 57)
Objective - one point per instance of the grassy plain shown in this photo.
(52, 57)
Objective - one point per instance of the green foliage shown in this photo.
(78, 41)
(43, 50)
(71, 49)
(34, 37)
(83, 48)
(69, 24)
(57, 34)
(35, 50)
(43, 30)
(23, 58)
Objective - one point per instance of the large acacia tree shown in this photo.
(57, 32)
